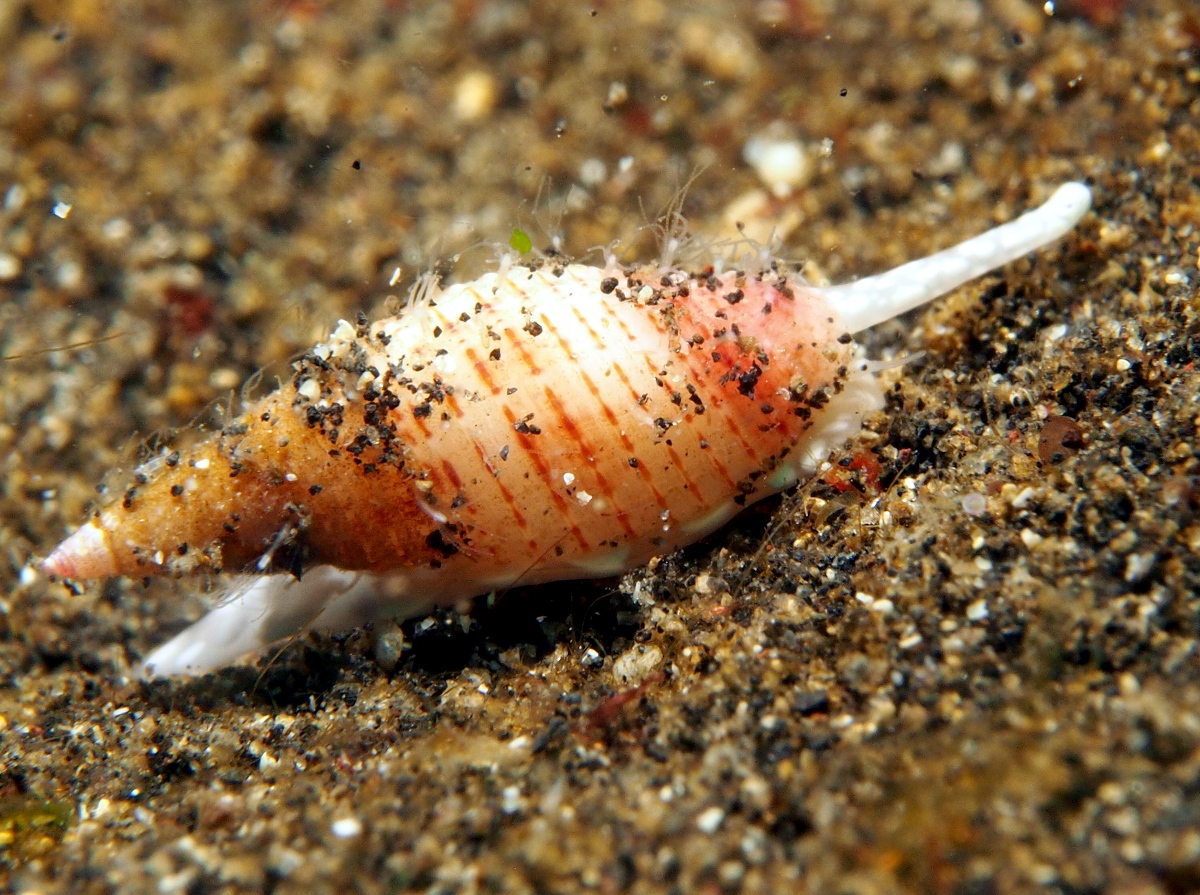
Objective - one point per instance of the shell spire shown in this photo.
(261, 495)
(538, 423)
(86, 554)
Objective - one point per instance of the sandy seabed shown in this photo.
(971, 669)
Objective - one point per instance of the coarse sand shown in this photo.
(961, 660)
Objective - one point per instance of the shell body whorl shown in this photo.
(556, 425)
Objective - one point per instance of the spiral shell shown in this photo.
(538, 423)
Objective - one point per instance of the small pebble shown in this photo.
(511, 800)
(710, 820)
(779, 159)
(618, 93)
(475, 96)
(592, 172)
(1021, 500)
(1138, 565)
(974, 504)
(10, 267)
(389, 647)
(977, 611)
(14, 198)
(346, 827)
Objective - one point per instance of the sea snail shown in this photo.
(539, 423)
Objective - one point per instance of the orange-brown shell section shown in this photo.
(266, 484)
